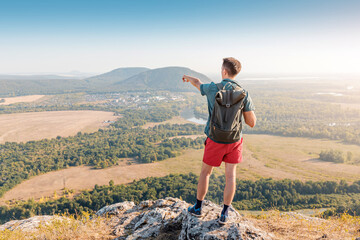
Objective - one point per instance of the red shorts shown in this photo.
(215, 153)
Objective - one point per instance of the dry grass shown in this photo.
(287, 226)
(75, 228)
(30, 98)
(294, 158)
(22, 127)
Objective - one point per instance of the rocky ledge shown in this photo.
(168, 219)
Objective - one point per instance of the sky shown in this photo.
(278, 36)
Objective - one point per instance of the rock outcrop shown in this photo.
(30, 224)
(162, 219)
(168, 219)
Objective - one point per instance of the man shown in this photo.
(215, 152)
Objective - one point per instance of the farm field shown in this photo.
(264, 156)
(22, 127)
(30, 98)
(174, 120)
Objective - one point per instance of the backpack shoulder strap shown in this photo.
(219, 86)
(237, 84)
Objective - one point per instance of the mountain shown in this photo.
(167, 78)
(115, 75)
(120, 79)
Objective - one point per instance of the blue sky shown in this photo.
(290, 37)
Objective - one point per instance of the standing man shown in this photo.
(217, 152)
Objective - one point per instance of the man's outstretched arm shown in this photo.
(193, 80)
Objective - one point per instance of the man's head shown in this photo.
(230, 67)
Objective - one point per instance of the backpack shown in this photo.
(226, 118)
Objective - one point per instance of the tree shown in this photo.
(349, 156)
(111, 183)
(336, 156)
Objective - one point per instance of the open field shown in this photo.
(22, 127)
(295, 158)
(174, 120)
(264, 156)
(30, 98)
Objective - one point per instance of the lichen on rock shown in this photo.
(168, 219)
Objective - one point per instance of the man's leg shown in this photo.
(230, 186)
(229, 191)
(201, 190)
(203, 183)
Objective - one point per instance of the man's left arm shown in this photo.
(250, 118)
(248, 113)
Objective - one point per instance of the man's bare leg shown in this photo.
(230, 186)
(203, 183)
(229, 191)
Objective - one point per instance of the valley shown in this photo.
(264, 156)
(115, 131)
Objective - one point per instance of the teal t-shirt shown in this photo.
(210, 90)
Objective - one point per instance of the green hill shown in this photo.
(167, 78)
(115, 75)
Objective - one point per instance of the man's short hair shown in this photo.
(232, 66)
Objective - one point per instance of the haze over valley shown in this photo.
(95, 111)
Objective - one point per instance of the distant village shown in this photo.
(115, 100)
(134, 99)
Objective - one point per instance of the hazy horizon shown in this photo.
(242, 76)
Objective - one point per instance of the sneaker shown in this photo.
(224, 219)
(195, 211)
